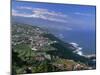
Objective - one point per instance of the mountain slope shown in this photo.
(40, 51)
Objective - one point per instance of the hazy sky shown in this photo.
(78, 16)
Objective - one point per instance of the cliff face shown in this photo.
(36, 50)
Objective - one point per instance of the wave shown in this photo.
(78, 50)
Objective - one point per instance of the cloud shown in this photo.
(23, 7)
(82, 14)
(41, 13)
(14, 11)
(47, 12)
(17, 13)
(21, 15)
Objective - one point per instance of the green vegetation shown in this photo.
(34, 50)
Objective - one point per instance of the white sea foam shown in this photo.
(80, 53)
(74, 44)
(78, 49)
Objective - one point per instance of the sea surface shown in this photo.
(85, 39)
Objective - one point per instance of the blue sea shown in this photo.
(85, 39)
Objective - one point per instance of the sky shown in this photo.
(67, 15)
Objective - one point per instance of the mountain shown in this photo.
(36, 50)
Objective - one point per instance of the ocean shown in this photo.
(85, 39)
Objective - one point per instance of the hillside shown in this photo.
(35, 50)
